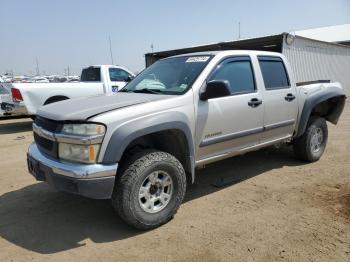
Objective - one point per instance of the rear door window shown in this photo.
(274, 73)
(91, 74)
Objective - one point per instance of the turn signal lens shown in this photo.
(92, 155)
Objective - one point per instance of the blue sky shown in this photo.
(75, 32)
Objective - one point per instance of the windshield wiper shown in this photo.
(147, 90)
(126, 90)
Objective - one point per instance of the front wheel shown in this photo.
(311, 145)
(150, 189)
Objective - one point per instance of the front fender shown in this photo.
(125, 134)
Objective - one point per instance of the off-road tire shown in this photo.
(302, 145)
(125, 197)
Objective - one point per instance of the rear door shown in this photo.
(280, 103)
(229, 124)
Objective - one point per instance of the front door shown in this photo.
(232, 123)
(118, 78)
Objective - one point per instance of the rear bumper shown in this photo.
(93, 180)
(13, 109)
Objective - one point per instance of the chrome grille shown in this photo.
(43, 142)
(45, 145)
(48, 124)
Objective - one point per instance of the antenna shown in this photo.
(110, 48)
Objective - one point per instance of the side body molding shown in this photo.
(130, 131)
(317, 98)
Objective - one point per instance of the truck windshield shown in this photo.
(91, 74)
(169, 76)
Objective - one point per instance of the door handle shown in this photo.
(254, 102)
(289, 97)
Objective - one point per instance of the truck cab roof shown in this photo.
(231, 52)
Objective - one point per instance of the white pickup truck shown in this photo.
(95, 80)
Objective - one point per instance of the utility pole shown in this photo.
(37, 66)
(67, 71)
(110, 48)
(239, 30)
(152, 47)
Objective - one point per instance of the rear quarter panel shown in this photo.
(309, 96)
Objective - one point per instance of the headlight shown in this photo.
(78, 153)
(83, 129)
(80, 142)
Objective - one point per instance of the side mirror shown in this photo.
(215, 89)
(129, 78)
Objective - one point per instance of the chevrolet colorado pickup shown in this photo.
(140, 148)
(95, 80)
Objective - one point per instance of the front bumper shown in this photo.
(89, 180)
(13, 109)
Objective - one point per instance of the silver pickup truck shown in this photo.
(141, 146)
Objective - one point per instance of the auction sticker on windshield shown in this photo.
(197, 59)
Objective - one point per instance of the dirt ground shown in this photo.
(273, 208)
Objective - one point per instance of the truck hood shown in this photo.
(86, 107)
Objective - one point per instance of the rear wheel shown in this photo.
(311, 145)
(149, 191)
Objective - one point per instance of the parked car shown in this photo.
(95, 80)
(40, 79)
(21, 79)
(7, 79)
(6, 105)
(73, 78)
(141, 147)
(4, 95)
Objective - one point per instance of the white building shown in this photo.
(335, 34)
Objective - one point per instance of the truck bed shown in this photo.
(35, 95)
